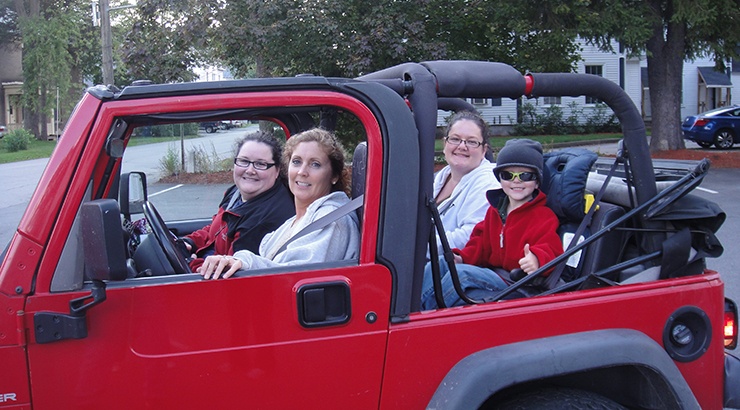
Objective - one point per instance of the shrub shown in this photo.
(552, 122)
(17, 140)
(170, 164)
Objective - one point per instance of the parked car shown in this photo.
(210, 126)
(227, 125)
(719, 126)
(3, 130)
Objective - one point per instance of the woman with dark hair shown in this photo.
(318, 180)
(255, 205)
(460, 187)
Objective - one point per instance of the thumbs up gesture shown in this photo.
(529, 263)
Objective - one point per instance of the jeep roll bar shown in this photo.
(423, 84)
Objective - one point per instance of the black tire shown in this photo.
(557, 398)
(210, 129)
(704, 144)
(724, 139)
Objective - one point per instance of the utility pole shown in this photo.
(106, 42)
(101, 15)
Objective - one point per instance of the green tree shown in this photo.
(56, 39)
(668, 32)
(330, 38)
(167, 39)
(535, 36)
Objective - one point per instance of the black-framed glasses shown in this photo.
(523, 176)
(458, 141)
(259, 165)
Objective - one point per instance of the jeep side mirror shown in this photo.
(132, 194)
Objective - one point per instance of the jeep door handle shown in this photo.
(324, 304)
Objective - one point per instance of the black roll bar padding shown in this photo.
(421, 92)
(455, 104)
(436, 275)
(698, 172)
(633, 127)
(476, 79)
(448, 255)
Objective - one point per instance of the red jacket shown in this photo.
(493, 244)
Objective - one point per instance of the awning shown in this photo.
(713, 78)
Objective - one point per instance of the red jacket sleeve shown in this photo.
(478, 249)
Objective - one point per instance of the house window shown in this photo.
(496, 102)
(551, 100)
(595, 70)
(479, 101)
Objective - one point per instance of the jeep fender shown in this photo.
(480, 375)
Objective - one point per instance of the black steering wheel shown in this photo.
(165, 238)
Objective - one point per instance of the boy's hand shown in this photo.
(457, 258)
(529, 263)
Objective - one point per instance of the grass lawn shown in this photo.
(36, 149)
(42, 149)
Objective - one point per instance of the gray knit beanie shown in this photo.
(520, 152)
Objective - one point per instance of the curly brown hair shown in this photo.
(331, 146)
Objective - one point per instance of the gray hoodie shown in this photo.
(337, 241)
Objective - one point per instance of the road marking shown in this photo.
(165, 190)
(711, 191)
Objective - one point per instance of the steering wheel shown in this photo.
(165, 238)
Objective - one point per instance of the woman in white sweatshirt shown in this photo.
(460, 187)
(318, 180)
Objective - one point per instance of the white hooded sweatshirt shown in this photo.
(467, 205)
(337, 241)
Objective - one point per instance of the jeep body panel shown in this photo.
(472, 329)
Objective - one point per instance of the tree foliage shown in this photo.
(667, 32)
(167, 40)
(54, 43)
(535, 36)
(350, 38)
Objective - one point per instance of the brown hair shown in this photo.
(485, 132)
(331, 146)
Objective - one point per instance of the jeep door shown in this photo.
(177, 341)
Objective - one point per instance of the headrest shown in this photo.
(564, 181)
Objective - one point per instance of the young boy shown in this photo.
(519, 231)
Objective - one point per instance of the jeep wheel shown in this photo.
(554, 398)
(210, 129)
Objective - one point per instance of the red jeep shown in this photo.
(88, 322)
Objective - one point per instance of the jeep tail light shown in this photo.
(730, 325)
(700, 122)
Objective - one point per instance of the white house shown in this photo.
(703, 88)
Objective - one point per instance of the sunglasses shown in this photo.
(523, 176)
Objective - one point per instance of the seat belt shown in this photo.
(325, 220)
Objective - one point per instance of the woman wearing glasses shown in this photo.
(460, 187)
(318, 179)
(518, 232)
(255, 205)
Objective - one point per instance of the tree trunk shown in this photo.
(665, 74)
